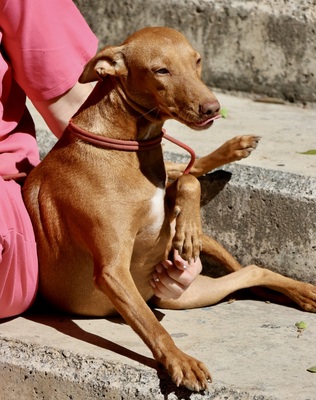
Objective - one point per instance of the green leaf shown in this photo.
(301, 325)
(312, 369)
(309, 152)
(224, 112)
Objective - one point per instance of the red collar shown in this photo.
(115, 144)
(129, 145)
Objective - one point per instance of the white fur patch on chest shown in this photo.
(157, 210)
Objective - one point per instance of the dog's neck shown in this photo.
(108, 111)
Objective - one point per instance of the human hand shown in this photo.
(172, 278)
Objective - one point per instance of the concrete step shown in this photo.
(259, 46)
(253, 350)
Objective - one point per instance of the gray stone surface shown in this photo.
(260, 46)
(252, 348)
(263, 217)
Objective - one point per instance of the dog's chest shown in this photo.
(156, 211)
(152, 240)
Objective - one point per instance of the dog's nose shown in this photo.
(210, 108)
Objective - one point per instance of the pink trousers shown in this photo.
(18, 257)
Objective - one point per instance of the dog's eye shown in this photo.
(162, 71)
(199, 62)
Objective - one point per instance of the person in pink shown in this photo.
(44, 46)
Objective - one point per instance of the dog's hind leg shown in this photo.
(206, 291)
(219, 254)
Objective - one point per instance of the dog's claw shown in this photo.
(243, 146)
(187, 240)
(180, 250)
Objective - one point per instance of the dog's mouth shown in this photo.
(207, 121)
(204, 123)
(200, 123)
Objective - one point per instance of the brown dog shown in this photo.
(102, 216)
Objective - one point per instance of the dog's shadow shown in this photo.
(66, 325)
(212, 184)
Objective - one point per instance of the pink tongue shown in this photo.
(208, 120)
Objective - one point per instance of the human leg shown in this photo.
(18, 257)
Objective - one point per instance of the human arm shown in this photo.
(58, 111)
(47, 45)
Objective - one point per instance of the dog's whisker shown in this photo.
(150, 111)
(157, 113)
(185, 114)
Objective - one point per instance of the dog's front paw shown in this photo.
(188, 227)
(187, 371)
(188, 237)
(239, 147)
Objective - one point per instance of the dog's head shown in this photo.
(160, 74)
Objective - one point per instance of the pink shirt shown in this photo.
(39, 61)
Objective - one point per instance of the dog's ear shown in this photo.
(109, 61)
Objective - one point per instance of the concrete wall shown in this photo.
(264, 217)
(260, 46)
